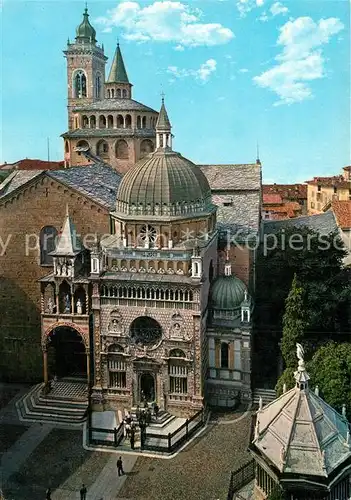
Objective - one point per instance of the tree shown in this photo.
(287, 378)
(330, 369)
(294, 323)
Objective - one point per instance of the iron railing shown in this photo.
(240, 478)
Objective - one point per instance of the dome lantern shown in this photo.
(85, 33)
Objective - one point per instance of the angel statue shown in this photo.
(300, 353)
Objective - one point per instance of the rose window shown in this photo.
(145, 331)
(148, 234)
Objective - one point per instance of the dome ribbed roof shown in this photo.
(228, 292)
(85, 30)
(163, 179)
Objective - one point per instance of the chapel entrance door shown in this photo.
(67, 356)
(147, 387)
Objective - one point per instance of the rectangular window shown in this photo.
(319, 187)
(178, 379)
(237, 355)
(118, 380)
(227, 203)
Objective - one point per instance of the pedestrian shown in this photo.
(48, 494)
(83, 492)
(156, 410)
(137, 412)
(132, 439)
(148, 417)
(120, 467)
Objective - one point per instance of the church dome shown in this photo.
(164, 183)
(228, 293)
(85, 30)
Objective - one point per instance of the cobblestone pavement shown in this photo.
(55, 457)
(200, 472)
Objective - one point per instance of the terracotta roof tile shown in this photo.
(28, 164)
(342, 212)
(272, 199)
(286, 191)
(335, 180)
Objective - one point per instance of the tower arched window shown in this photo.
(80, 84)
(98, 86)
(48, 236)
(124, 93)
(119, 93)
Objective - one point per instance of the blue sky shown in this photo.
(234, 72)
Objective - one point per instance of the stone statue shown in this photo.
(50, 305)
(67, 304)
(300, 352)
(64, 269)
(79, 307)
(115, 326)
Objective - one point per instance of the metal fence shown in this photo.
(240, 478)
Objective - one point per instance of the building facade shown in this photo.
(323, 190)
(102, 116)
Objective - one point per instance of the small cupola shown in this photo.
(163, 129)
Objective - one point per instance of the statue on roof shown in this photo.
(300, 353)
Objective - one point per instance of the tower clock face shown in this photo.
(149, 233)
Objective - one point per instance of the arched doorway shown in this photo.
(66, 353)
(147, 387)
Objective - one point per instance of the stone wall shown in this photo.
(39, 203)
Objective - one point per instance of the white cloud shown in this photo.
(301, 60)
(243, 70)
(245, 6)
(203, 73)
(165, 21)
(278, 8)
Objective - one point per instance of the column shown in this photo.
(217, 353)
(57, 299)
(231, 356)
(45, 366)
(72, 300)
(88, 366)
(86, 300)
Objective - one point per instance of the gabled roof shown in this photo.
(272, 199)
(98, 182)
(300, 433)
(342, 212)
(68, 244)
(323, 223)
(17, 179)
(118, 73)
(240, 177)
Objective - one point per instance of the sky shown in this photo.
(235, 73)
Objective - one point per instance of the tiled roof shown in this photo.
(239, 177)
(115, 105)
(110, 132)
(342, 212)
(17, 179)
(301, 434)
(323, 223)
(28, 164)
(98, 181)
(289, 209)
(272, 199)
(242, 217)
(336, 180)
(286, 191)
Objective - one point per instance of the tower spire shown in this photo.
(163, 127)
(118, 73)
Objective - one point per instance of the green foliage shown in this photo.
(317, 262)
(287, 377)
(330, 369)
(294, 323)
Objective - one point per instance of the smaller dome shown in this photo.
(228, 292)
(85, 30)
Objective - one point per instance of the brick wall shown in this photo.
(38, 204)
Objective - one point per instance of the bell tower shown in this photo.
(85, 69)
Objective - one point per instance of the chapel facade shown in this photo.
(102, 116)
(157, 319)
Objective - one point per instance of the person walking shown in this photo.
(83, 492)
(120, 467)
(132, 438)
(48, 494)
(156, 410)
